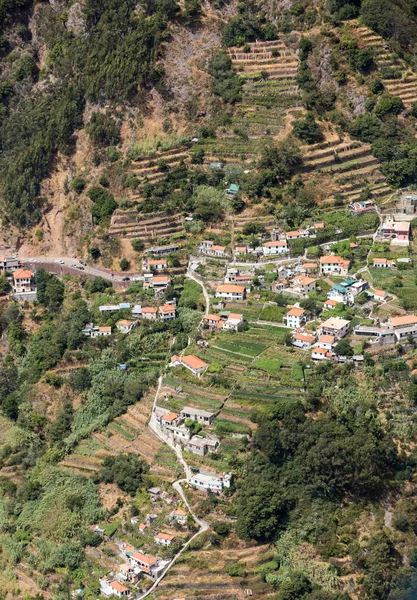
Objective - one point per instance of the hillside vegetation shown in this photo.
(122, 124)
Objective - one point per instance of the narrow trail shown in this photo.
(203, 525)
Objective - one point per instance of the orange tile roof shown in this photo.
(295, 312)
(404, 320)
(171, 416)
(331, 302)
(194, 362)
(291, 234)
(234, 316)
(104, 329)
(320, 350)
(165, 536)
(161, 261)
(275, 244)
(331, 259)
(228, 289)
(124, 322)
(167, 308)
(380, 261)
(380, 293)
(148, 309)
(304, 337)
(160, 279)
(212, 317)
(318, 225)
(22, 274)
(119, 587)
(143, 526)
(305, 280)
(179, 512)
(241, 248)
(218, 248)
(143, 558)
(310, 266)
(353, 245)
(326, 339)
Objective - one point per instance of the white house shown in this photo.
(214, 483)
(196, 414)
(164, 539)
(125, 326)
(167, 312)
(154, 265)
(231, 292)
(334, 265)
(303, 340)
(190, 362)
(277, 247)
(296, 317)
(383, 263)
(233, 321)
(326, 341)
(111, 587)
(304, 284)
(321, 354)
(330, 304)
(149, 312)
(144, 562)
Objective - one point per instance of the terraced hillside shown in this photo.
(269, 93)
(130, 224)
(203, 573)
(150, 169)
(404, 86)
(127, 433)
(350, 166)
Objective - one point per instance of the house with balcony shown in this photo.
(167, 312)
(211, 481)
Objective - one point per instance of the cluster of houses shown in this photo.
(165, 312)
(223, 320)
(172, 426)
(396, 329)
(138, 563)
(321, 341)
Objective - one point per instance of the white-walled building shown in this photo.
(296, 317)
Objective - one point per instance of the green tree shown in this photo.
(307, 130)
(103, 130)
(126, 470)
(124, 264)
(104, 203)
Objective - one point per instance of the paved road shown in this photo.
(51, 264)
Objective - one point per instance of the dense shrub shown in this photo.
(103, 130)
(104, 203)
(126, 470)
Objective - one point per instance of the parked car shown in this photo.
(126, 279)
